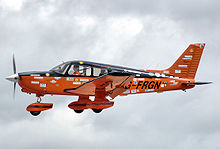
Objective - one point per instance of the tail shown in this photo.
(187, 64)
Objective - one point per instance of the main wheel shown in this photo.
(97, 110)
(78, 111)
(35, 113)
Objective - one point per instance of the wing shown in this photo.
(112, 83)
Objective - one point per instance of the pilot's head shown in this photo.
(75, 67)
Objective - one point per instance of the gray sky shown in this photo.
(139, 34)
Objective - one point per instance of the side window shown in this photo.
(80, 70)
(88, 71)
(70, 72)
(96, 71)
(74, 70)
(99, 71)
(85, 70)
(103, 71)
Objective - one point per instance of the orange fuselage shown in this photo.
(56, 85)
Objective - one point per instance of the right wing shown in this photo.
(112, 83)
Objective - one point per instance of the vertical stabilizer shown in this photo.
(187, 64)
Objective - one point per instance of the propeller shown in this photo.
(14, 70)
(14, 78)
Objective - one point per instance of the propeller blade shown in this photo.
(14, 90)
(14, 65)
(15, 71)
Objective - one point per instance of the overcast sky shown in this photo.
(140, 34)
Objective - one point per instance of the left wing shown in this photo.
(112, 83)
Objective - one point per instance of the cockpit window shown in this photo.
(99, 71)
(81, 70)
(74, 70)
(60, 68)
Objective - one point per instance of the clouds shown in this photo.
(139, 34)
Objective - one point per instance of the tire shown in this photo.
(35, 113)
(97, 110)
(78, 111)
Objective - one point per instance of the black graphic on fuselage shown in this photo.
(144, 85)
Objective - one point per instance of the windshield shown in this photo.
(60, 68)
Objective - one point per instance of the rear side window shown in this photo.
(99, 71)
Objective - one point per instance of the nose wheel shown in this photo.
(35, 113)
(36, 108)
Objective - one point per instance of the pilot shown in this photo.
(76, 70)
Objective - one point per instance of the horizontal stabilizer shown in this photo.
(198, 83)
(201, 83)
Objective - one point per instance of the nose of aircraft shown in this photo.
(13, 78)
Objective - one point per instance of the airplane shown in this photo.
(105, 82)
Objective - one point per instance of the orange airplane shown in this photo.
(105, 82)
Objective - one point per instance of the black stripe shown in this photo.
(105, 103)
(40, 106)
(76, 105)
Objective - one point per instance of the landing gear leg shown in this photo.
(39, 99)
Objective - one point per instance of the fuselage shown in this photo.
(50, 82)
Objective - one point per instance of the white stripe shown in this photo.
(38, 77)
(34, 82)
(188, 56)
(184, 66)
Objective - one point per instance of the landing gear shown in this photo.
(97, 105)
(35, 113)
(78, 111)
(36, 108)
(97, 110)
